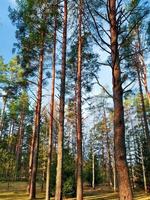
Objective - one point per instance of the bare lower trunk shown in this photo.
(130, 161)
(108, 151)
(19, 145)
(49, 160)
(58, 193)
(125, 192)
(79, 194)
(143, 167)
(2, 115)
(36, 131)
(31, 154)
(114, 176)
(93, 171)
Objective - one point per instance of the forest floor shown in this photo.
(17, 191)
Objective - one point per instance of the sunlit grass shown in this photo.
(17, 191)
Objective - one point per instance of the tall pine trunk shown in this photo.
(125, 192)
(36, 129)
(49, 160)
(59, 172)
(79, 194)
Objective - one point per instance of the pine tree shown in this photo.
(79, 106)
(58, 193)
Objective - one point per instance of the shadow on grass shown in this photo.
(13, 196)
(142, 196)
(114, 196)
(17, 196)
(22, 195)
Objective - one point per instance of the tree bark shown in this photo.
(93, 170)
(36, 129)
(49, 160)
(59, 172)
(79, 194)
(125, 192)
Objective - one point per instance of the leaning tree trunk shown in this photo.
(125, 191)
(79, 194)
(58, 193)
(36, 129)
(49, 160)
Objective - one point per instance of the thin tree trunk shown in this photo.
(114, 175)
(19, 144)
(59, 173)
(125, 191)
(142, 66)
(49, 160)
(93, 170)
(108, 150)
(10, 147)
(134, 147)
(143, 167)
(36, 130)
(79, 194)
(144, 79)
(31, 152)
(130, 162)
(141, 72)
(2, 115)
(143, 110)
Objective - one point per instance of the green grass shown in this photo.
(17, 191)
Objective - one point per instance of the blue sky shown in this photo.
(7, 31)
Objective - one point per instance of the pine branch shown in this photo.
(128, 85)
(110, 95)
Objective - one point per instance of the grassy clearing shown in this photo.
(17, 191)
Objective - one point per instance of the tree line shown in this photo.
(61, 48)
